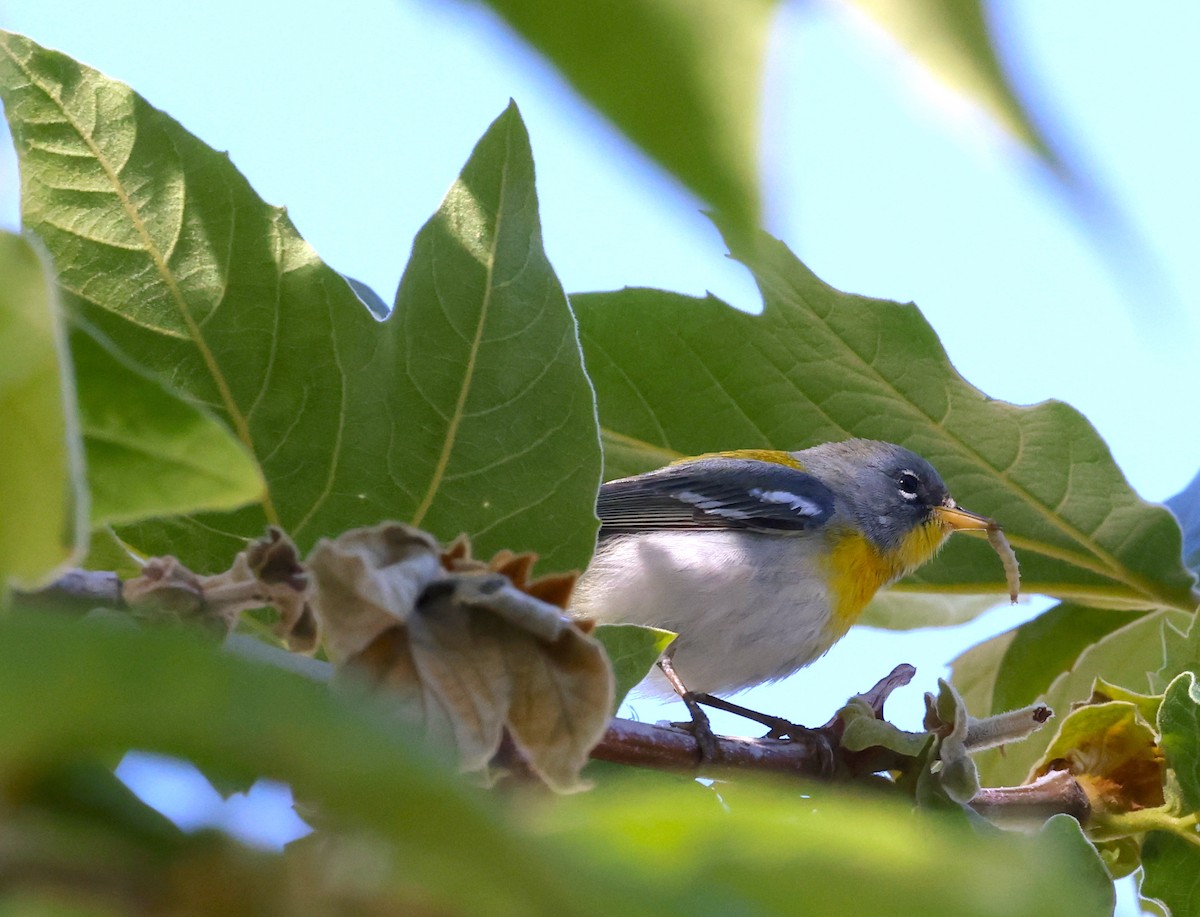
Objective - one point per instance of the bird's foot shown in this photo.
(700, 729)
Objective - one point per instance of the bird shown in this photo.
(761, 560)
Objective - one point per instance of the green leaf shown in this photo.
(466, 410)
(1047, 646)
(1171, 866)
(1109, 735)
(845, 854)
(1124, 657)
(895, 610)
(1063, 835)
(683, 376)
(44, 515)
(499, 417)
(68, 689)
(1121, 857)
(1181, 653)
(1147, 704)
(632, 650)
(951, 38)
(681, 78)
(973, 672)
(149, 452)
(1179, 725)
(91, 791)
(107, 552)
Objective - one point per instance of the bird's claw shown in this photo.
(700, 730)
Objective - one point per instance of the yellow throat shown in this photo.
(859, 568)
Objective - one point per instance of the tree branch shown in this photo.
(76, 590)
(1056, 793)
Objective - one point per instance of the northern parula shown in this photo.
(761, 560)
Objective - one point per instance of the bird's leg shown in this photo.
(780, 728)
(699, 727)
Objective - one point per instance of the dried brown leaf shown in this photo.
(274, 562)
(560, 706)
(462, 649)
(368, 580)
(554, 588)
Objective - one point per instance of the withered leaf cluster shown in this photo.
(475, 651)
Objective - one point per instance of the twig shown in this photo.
(1054, 794)
(76, 590)
(670, 749)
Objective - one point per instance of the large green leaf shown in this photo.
(973, 673)
(150, 452)
(1044, 648)
(681, 78)
(466, 410)
(677, 376)
(895, 609)
(43, 504)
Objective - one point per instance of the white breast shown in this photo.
(737, 626)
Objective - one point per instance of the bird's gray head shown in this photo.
(886, 489)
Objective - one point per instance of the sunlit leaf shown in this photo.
(753, 855)
(632, 650)
(952, 39)
(682, 376)
(466, 410)
(974, 673)
(43, 503)
(1181, 653)
(149, 452)
(67, 690)
(681, 78)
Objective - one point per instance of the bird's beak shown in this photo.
(958, 519)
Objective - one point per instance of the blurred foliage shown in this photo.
(218, 376)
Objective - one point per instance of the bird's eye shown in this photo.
(909, 484)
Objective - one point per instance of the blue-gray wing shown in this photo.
(723, 493)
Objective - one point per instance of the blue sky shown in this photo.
(882, 182)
